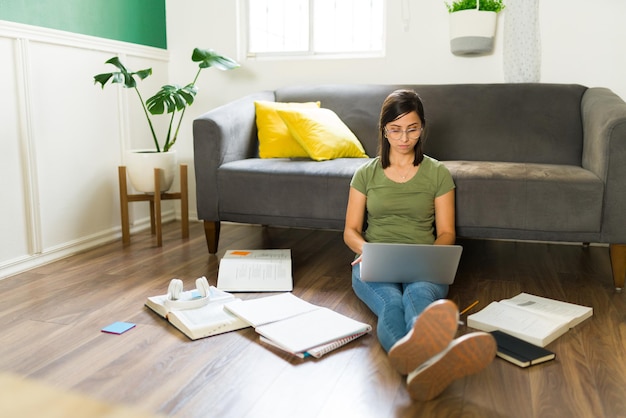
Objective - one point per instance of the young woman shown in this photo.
(408, 197)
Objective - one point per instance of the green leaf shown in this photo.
(209, 58)
(485, 5)
(171, 98)
(144, 73)
(102, 78)
(116, 61)
(123, 76)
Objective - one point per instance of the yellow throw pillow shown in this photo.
(275, 141)
(322, 134)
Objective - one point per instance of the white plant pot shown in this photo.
(140, 165)
(472, 32)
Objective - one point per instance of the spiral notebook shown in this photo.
(316, 352)
(296, 326)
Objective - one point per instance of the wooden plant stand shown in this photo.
(155, 204)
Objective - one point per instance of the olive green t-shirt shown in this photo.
(402, 212)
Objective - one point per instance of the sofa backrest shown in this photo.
(538, 123)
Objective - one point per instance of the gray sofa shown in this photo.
(531, 162)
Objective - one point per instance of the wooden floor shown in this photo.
(51, 319)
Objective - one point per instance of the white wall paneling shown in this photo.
(62, 139)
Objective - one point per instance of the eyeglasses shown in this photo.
(396, 134)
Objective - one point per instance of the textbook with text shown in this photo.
(255, 271)
(197, 316)
(534, 319)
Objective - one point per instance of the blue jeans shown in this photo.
(396, 305)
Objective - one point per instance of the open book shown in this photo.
(255, 271)
(531, 318)
(296, 326)
(195, 315)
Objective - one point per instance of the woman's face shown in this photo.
(403, 133)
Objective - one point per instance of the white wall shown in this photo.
(63, 138)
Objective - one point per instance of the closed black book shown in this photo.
(520, 352)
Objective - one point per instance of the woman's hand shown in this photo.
(357, 260)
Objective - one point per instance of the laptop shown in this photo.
(406, 263)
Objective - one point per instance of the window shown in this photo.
(314, 27)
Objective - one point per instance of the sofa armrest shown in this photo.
(604, 153)
(227, 133)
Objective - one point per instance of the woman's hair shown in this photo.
(396, 105)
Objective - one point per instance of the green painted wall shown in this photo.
(136, 21)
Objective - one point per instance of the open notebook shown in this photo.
(296, 326)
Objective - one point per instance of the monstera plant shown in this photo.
(171, 99)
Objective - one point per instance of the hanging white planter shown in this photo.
(472, 32)
(140, 165)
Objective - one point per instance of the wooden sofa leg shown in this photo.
(618, 264)
(212, 234)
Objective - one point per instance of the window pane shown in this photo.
(348, 25)
(278, 26)
(336, 26)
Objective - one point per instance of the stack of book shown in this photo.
(531, 318)
(525, 324)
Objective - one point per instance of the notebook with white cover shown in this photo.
(406, 263)
(296, 325)
(312, 329)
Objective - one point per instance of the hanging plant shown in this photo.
(473, 25)
(484, 5)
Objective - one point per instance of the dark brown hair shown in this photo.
(396, 105)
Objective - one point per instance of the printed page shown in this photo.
(571, 313)
(209, 320)
(280, 254)
(528, 326)
(255, 271)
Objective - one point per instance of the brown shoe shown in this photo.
(466, 355)
(432, 332)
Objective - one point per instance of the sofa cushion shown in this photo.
(286, 192)
(275, 141)
(533, 197)
(322, 134)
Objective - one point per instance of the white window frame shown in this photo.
(244, 32)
